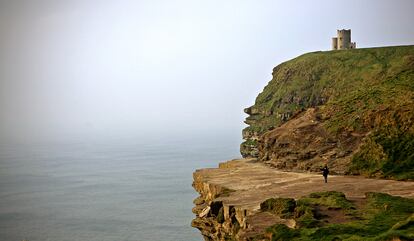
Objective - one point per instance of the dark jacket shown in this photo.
(325, 171)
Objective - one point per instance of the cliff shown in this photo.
(247, 200)
(352, 110)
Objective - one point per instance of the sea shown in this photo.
(105, 189)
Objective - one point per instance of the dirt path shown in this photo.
(254, 182)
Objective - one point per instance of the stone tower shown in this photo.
(343, 40)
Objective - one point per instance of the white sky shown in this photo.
(139, 67)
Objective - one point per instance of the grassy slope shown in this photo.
(359, 91)
(383, 217)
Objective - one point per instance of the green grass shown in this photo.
(250, 142)
(331, 199)
(305, 212)
(386, 154)
(384, 217)
(281, 233)
(361, 90)
(280, 206)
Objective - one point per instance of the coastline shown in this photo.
(230, 196)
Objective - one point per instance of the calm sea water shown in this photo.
(123, 189)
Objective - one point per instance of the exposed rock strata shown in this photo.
(229, 204)
(303, 143)
(350, 109)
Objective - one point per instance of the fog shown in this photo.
(96, 68)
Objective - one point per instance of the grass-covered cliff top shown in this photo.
(366, 77)
(361, 91)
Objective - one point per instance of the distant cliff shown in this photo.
(352, 109)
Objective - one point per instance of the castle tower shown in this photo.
(343, 40)
(334, 43)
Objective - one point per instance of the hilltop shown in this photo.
(352, 109)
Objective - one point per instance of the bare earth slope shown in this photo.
(237, 188)
(302, 143)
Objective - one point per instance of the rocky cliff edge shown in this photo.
(241, 199)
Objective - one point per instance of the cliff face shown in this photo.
(303, 143)
(352, 110)
(247, 200)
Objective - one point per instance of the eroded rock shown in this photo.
(231, 195)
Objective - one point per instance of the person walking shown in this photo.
(325, 172)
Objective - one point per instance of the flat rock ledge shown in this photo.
(228, 207)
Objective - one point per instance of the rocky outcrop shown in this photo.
(303, 143)
(348, 109)
(235, 201)
(352, 110)
(223, 211)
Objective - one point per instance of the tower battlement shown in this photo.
(343, 40)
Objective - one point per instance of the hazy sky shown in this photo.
(121, 66)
